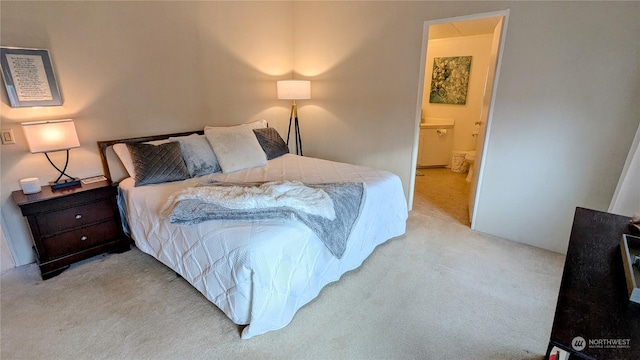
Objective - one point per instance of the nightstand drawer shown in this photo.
(56, 221)
(80, 239)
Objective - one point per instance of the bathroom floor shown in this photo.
(442, 193)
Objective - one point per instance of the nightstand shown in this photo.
(72, 224)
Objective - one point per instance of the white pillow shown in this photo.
(236, 147)
(124, 155)
(258, 124)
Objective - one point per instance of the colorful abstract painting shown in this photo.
(450, 80)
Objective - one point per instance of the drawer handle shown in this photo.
(83, 237)
(78, 216)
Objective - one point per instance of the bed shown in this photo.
(258, 272)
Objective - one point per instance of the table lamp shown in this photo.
(50, 136)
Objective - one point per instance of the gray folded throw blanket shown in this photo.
(347, 200)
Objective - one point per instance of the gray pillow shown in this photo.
(271, 142)
(157, 163)
(198, 155)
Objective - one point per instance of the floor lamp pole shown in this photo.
(294, 118)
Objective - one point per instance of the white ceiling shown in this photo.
(463, 28)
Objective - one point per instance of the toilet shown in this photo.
(470, 158)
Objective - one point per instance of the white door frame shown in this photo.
(625, 198)
(423, 60)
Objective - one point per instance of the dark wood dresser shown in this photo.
(594, 318)
(72, 224)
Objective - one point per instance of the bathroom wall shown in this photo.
(479, 47)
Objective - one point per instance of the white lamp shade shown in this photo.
(294, 89)
(49, 136)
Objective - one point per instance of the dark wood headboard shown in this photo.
(104, 145)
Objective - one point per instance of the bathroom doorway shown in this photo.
(450, 134)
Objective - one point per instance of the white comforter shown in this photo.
(260, 273)
(272, 194)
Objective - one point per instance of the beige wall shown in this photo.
(561, 129)
(135, 68)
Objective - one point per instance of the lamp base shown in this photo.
(65, 184)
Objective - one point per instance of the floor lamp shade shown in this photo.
(50, 136)
(294, 90)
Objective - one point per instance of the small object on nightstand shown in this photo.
(72, 224)
(634, 225)
(558, 354)
(91, 180)
(30, 185)
(63, 184)
(630, 250)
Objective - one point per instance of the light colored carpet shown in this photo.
(440, 291)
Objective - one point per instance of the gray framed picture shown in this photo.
(29, 78)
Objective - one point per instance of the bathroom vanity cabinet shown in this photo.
(435, 146)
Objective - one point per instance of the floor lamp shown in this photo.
(294, 90)
(49, 136)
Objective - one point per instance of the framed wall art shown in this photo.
(450, 80)
(29, 78)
